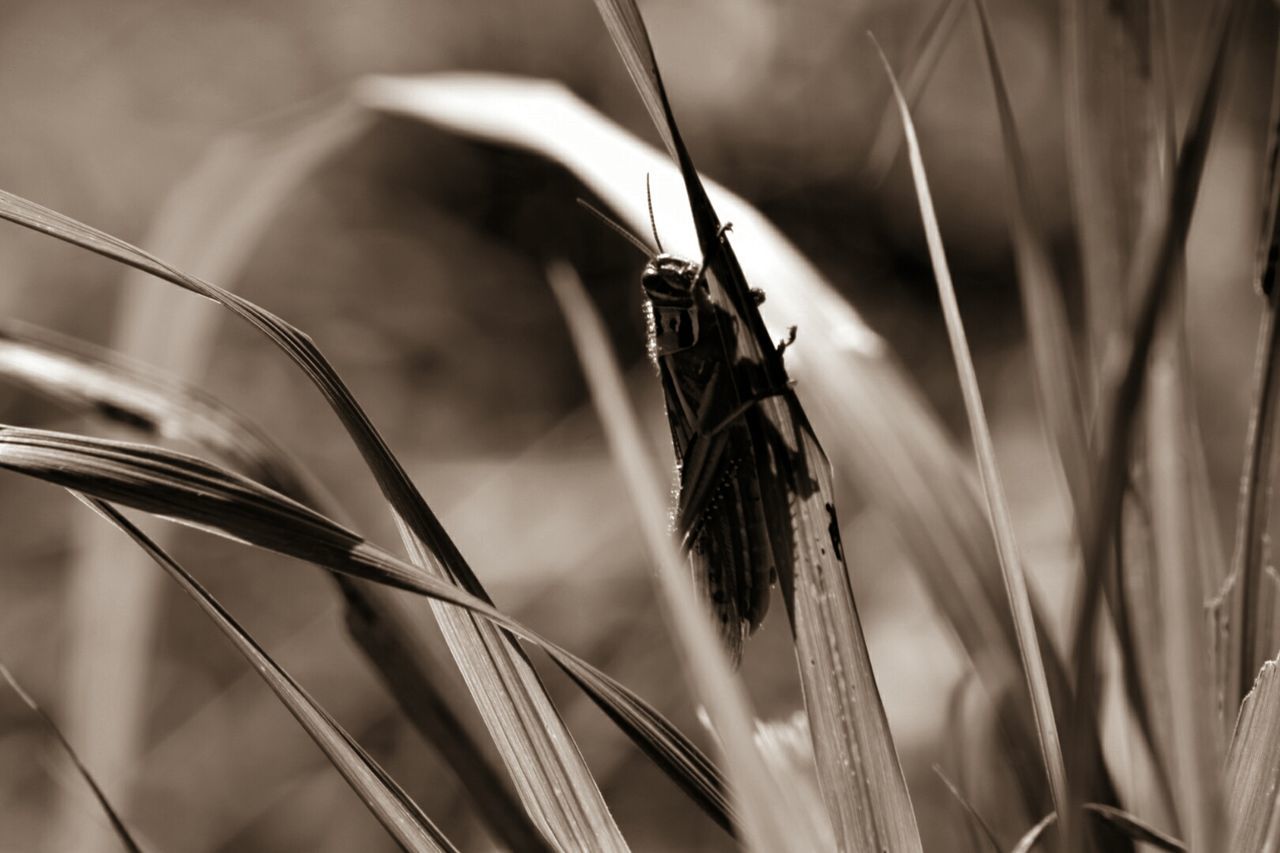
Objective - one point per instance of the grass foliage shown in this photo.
(1190, 632)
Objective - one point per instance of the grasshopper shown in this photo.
(732, 512)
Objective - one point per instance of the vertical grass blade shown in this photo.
(1124, 375)
(1001, 523)
(393, 808)
(1044, 312)
(892, 447)
(1194, 731)
(549, 773)
(760, 796)
(858, 769)
(1054, 367)
(1258, 626)
(117, 824)
(923, 58)
(1253, 767)
(1112, 129)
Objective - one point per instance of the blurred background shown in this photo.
(413, 258)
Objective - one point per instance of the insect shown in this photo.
(732, 513)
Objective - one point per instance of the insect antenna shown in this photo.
(653, 222)
(616, 226)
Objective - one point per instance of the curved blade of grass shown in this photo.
(1129, 825)
(891, 445)
(858, 769)
(548, 771)
(761, 796)
(1053, 359)
(191, 491)
(922, 60)
(388, 802)
(1001, 523)
(1257, 615)
(1032, 837)
(1253, 767)
(975, 820)
(205, 221)
(1124, 379)
(117, 824)
(94, 381)
(99, 383)
(1136, 829)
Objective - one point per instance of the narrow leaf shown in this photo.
(892, 447)
(1259, 624)
(1192, 712)
(393, 808)
(98, 383)
(983, 829)
(760, 795)
(1253, 768)
(1124, 379)
(117, 824)
(549, 774)
(858, 769)
(1001, 523)
(1032, 837)
(1112, 126)
(191, 491)
(921, 62)
(1044, 311)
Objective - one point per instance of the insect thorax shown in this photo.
(670, 284)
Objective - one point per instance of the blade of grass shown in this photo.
(892, 446)
(97, 382)
(923, 58)
(1135, 828)
(1124, 377)
(1253, 767)
(395, 810)
(549, 773)
(1257, 610)
(1192, 713)
(1032, 837)
(1053, 358)
(122, 832)
(398, 813)
(1111, 105)
(1001, 523)
(1044, 312)
(206, 220)
(760, 795)
(190, 491)
(1130, 826)
(975, 820)
(870, 806)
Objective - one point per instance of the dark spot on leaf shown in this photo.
(128, 417)
(833, 531)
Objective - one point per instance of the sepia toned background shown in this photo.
(414, 259)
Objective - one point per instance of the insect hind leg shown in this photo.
(746, 407)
